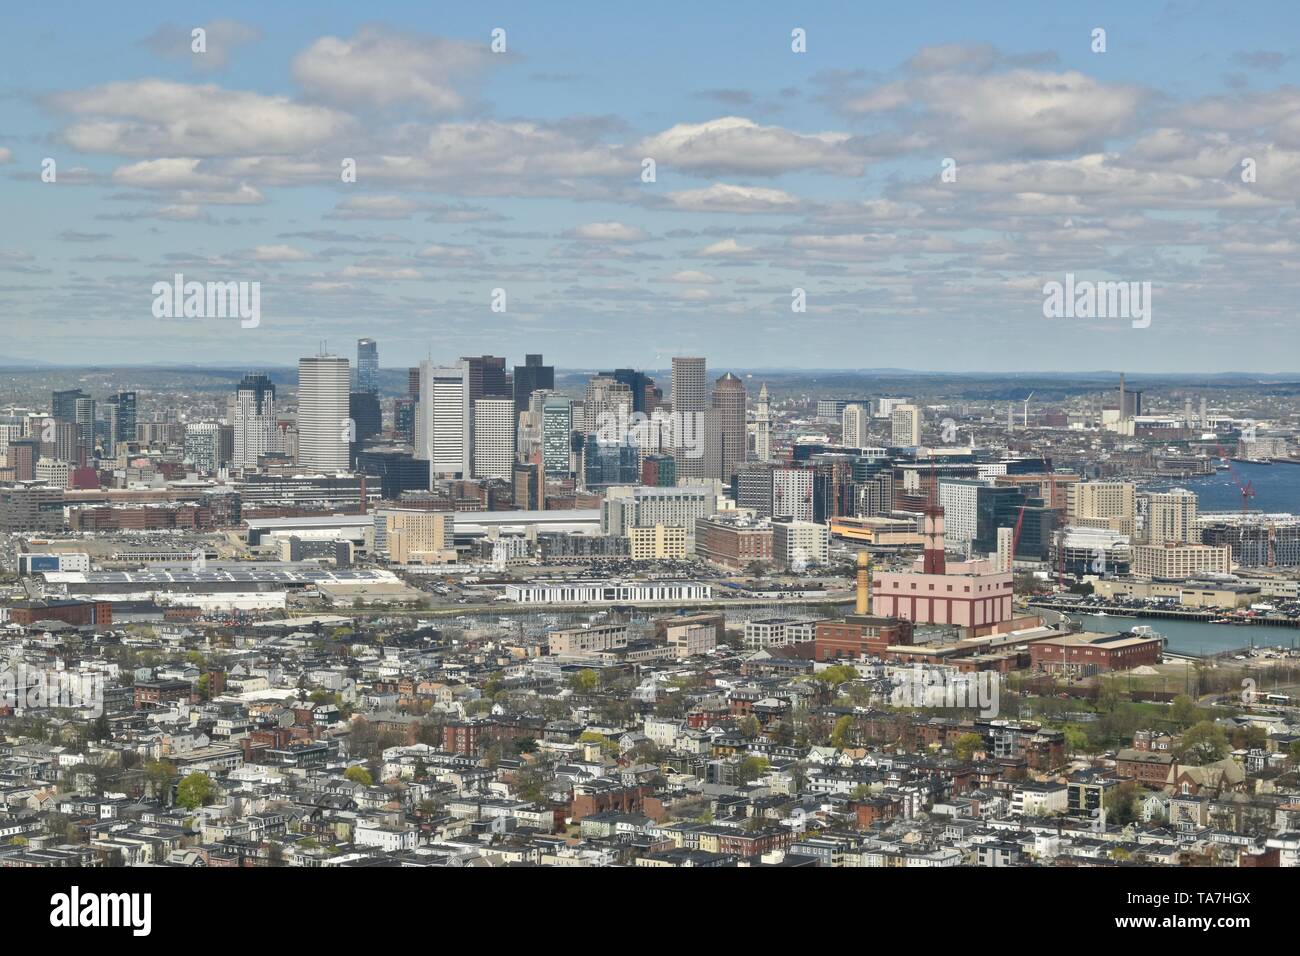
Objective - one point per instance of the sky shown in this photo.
(853, 185)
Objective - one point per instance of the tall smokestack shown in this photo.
(864, 584)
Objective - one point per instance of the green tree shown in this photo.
(359, 774)
(1121, 803)
(843, 728)
(1183, 711)
(1293, 753)
(964, 747)
(837, 674)
(751, 768)
(194, 791)
(585, 681)
(1203, 743)
(1076, 739)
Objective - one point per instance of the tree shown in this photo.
(194, 791)
(964, 747)
(837, 674)
(1076, 739)
(585, 681)
(1250, 738)
(751, 768)
(840, 735)
(160, 774)
(1203, 743)
(359, 775)
(1183, 711)
(1121, 803)
(1293, 753)
(749, 726)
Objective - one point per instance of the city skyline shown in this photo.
(801, 156)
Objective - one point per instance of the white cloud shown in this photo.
(735, 144)
(381, 68)
(724, 197)
(606, 232)
(160, 117)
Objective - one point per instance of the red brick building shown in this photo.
(76, 613)
(1085, 654)
(857, 634)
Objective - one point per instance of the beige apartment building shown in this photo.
(414, 536)
(1177, 562)
(1172, 518)
(656, 543)
(1109, 505)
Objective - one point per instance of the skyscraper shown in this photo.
(690, 399)
(1172, 518)
(254, 420)
(905, 426)
(444, 420)
(763, 426)
(367, 366)
(487, 377)
(494, 438)
(727, 444)
(557, 429)
(202, 445)
(854, 422)
(323, 430)
(529, 378)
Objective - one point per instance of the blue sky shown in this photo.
(775, 171)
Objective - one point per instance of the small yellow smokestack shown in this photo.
(864, 584)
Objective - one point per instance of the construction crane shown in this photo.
(1247, 488)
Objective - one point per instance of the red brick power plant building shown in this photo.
(861, 632)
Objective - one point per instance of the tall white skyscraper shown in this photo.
(323, 432)
(494, 438)
(854, 425)
(445, 435)
(254, 421)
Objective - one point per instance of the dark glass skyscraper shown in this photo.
(367, 366)
(530, 377)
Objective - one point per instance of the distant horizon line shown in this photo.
(9, 364)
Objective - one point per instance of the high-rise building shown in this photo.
(763, 426)
(531, 377)
(203, 445)
(1103, 504)
(494, 438)
(119, 412)
(690, 402)
(254, 421)
(853, 423)
(792, 493)
(1171, 518)
(323, 430)
(726, 444)
(487, 377)
(557, 431)
(63, 406)
(367, 366)
(905, 426)
(444, 419)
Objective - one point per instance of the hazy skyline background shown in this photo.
(775, 170)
